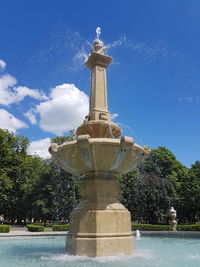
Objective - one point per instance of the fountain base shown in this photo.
(100, 225)
(100, 246)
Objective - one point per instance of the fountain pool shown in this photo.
(150, 252)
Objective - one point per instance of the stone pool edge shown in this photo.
(64, 233)
(171, 233)
(33, 234)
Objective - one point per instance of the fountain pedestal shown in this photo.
(100, 225)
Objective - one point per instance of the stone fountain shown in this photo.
(100, 225)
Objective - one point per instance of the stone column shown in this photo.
(98, 88)
(98, 123)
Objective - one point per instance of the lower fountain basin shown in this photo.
(98, 154)
(150, 251)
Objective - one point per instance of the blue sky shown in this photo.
(153, 83)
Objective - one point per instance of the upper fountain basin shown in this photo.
(99, 129)
(98, 154)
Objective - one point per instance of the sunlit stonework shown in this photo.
(100, 225)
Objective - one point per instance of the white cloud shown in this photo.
(2, 64)
(65, 109)
(189, 99)
(31, 116)
(23, 91)
(13, 94)
(10, 122)
(40, 148)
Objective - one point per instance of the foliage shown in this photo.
(36, 189)
(35, 228)
(128, 190)
(4, 228)
(150, 227)
(19, 172)
(45, 224)
(192, 227)
(31, 187)
(62, 139)
(189, 195)
(150, 191)
(57, 194)
(60, 227)
(48, 224)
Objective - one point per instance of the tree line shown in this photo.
(31, 187)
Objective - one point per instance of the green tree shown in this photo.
(34, 188)
(12, 152)
(128, 191)
(56, 194)
(151, 191)
(18, 174)
(189, 195)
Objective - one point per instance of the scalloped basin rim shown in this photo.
(103, 141)
(98, 154)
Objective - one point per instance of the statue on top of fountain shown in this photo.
(98, 46)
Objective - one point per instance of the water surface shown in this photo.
(150, 252)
